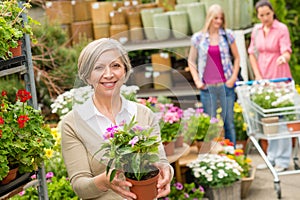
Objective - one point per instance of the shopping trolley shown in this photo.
(257, 128)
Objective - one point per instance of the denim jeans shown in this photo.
(212, 97)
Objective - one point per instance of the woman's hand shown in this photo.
(119, 185)
(281, 60)
(164, 180)
(200, 85)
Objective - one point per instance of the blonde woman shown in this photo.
(211, 67)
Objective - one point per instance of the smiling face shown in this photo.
(217, 21)
(108, 74)
(265, 15)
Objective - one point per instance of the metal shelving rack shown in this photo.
(23, 64)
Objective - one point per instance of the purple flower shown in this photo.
(33, 176)
(201, 188)
(110, 131)
(137, 128)
(178, 186)
(22, 193)
(186, 195)
(214, 120)
(49, 175)
(134, 141)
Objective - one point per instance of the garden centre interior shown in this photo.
(157, 36)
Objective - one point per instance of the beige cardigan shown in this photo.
(80, 142)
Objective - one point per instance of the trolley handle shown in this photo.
(239, 83)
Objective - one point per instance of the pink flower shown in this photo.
(22, 193)
(214, 120)
(49, 175)
(178, 186)
(134, 141)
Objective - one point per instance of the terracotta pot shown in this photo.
(203, 147)
(264, 145)
(12, 174)
(293, 127)
(169, 148)
(241, 144)
(145, 189)
(179, 141)
(18, 50)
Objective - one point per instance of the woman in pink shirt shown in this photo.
(269, 53)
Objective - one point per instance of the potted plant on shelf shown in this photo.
(170, 125)
(219, 175)
(13, 26)
(132, 150)
(23, 134)
(198, 127)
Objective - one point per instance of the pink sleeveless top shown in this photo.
(213, 72)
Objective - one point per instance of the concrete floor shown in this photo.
(262, 187)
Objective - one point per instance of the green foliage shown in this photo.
(13, 26)
(239, 123)
(58, 188)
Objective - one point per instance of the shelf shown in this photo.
(16, 186)
(170, 43)
(11, 66)
(158, 44)
(177, 91)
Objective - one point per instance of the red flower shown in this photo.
(3, 93)
(23, 95)
(1, 120)
(22, 120)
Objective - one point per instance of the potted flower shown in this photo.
(199, 127)
(240, 126)
(24, 135)
(13, 26)
(188, 191)
(238, 155)
(274, 98)
(133, 150)
(219, 175)
(170, 125)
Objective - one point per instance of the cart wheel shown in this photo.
(296, 163)
(278, 189)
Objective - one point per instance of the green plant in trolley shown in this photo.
(13, 26)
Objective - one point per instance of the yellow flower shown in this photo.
(248, 160)
(298, 88)
(231, 157)
(49, 153)
(54, 132)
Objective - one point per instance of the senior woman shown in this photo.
(104, 65)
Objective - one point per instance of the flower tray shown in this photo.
(18, 182)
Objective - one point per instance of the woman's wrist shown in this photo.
(101, 182)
